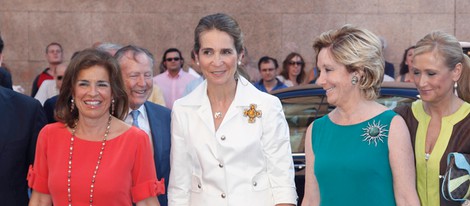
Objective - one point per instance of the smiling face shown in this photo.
(137, 75)
(217, 57)
(433, 79)
(335, 79)
(92, 93)
(295, 65)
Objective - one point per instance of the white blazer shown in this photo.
(241, 163)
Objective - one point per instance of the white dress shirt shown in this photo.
(142, 119)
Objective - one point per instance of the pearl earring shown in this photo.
(72, 105)
(112, 107)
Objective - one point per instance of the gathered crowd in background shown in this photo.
(105, 129)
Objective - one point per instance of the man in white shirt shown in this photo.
(50, 88)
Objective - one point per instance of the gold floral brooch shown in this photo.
(252, 113)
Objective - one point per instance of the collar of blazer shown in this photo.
(244, 95)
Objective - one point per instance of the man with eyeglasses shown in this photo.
(54, 56)
(267, 67)
(50, 88)
(174, 79)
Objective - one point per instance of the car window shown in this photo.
(301, 111)
(394, 101)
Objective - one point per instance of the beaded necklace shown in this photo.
(69, 171)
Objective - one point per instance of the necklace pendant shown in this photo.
(217, 115)
(426, 156)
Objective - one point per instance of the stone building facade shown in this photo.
(271, 27)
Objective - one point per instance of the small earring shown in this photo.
(112, 107)
(197, 63)
(72, 105)
(239, 62)
(354, 80)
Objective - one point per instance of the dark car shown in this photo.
(465, 47)
(303, 104)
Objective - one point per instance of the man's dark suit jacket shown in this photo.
(5, 78)
(49, 106)
(159, 120)
(21, 119)
(389, 69)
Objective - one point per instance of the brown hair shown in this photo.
(82, 61)
(225, 23)
(285, 68)
(54, 44)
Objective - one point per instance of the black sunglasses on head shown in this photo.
(172, 59)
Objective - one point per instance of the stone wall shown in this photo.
(271, 27)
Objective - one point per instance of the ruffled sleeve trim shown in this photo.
(148, 189)
(36, 182)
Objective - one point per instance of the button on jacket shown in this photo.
(241, 163)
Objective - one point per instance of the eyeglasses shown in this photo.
(172, 59)
(300, 63)
(60, 77)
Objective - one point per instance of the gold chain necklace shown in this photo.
(69, 171)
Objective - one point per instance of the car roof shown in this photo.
(464, 44)
(398, 85)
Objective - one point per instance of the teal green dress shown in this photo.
(351, 162)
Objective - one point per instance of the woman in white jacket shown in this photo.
(230, 142)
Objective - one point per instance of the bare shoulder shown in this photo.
(398, 122)
(398, 132)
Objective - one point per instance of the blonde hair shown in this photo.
(447, 47)
(360, 51)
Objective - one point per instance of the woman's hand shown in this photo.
(151, 201)
(40, 199)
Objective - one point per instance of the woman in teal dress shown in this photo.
(360, 153)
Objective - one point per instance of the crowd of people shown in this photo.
(105, 130)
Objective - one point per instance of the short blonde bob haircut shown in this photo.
(360, 51)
